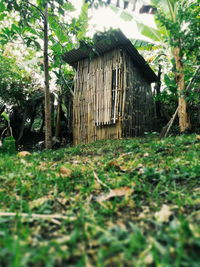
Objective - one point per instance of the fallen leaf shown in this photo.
(62, 239)
(23, 161)
(124, 168)
(148, 259)
(96, 185)
(22, 154)
(118, 192)
(140, 165)
(65, 172)
(164, 214)
(195, 230)
(43, 166)
(198, 137)
(38, 202)
(142, 216)
(145, 212)
(197, 189)
(118, 166)
(113, 163)
(141, 171)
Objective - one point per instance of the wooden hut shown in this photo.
(112, 93)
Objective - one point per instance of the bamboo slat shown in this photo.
(93, 105)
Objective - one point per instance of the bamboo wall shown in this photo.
(109, 98)
(138, 110)
(92, 108)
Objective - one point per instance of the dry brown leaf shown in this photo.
(2, 190)
(84, 168)
(124, 168)
(23, 161)
(22, 154)
(141, 171)
(38, 202)
(140, 165)
(65, 172)
(195, 230)
(118, 192)
(96, 185)
(116, 164)
(43, 166)
(198, 137)
(113, 163)
(62, 239)
(148, 259)
(164, 214)
(197, 189)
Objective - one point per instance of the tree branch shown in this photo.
(67, 84)
(193, 78)
(43, 15)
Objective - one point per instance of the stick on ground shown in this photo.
(36, 216)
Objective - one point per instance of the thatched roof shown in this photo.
(106, 42)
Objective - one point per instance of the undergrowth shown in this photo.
(155, 224)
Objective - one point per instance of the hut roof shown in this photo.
(106, 42)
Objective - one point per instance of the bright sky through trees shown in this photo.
(105, 18)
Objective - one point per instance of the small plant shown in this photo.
(129, 202)
(8, 145)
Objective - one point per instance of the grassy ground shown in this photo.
(131, 202)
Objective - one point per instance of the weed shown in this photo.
(123, 230)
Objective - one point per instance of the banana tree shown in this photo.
(168, 34)
(167, 17)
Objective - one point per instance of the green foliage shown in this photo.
(8, 146)
(62, 29)
(5, 116)
(15, 83)
(182, 25)
(123, 230)
(168, 95)
(143, 45)
(177, 25)
(96, 3)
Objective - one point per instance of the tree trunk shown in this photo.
(58, 118)
(157, 89)
(48, 131)
(52, 113)
(22, 126)
(184, 122)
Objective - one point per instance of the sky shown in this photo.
(104, 18)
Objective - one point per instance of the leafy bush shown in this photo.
(8, 145)
(15, 83)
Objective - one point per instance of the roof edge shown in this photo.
(105, 42)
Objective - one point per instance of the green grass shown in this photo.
(121, 231)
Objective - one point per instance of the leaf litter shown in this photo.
(125, 204)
